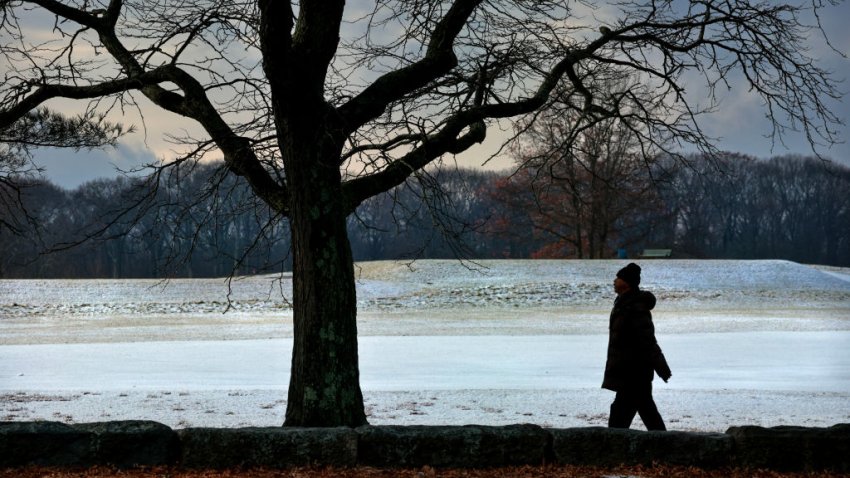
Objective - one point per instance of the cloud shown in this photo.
(70, 169)
(146, 145)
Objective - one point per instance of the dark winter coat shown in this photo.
(633, 352)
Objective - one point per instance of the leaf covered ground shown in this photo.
(426, 472)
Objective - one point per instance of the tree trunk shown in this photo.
(324, 389)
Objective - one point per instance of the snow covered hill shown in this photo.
(442, 342)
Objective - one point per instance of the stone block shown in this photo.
(702, 450)
(792, 448)
(272, 447)
(600, 446)
(133, 443)
(470, 446)
(596, 446)
(44, 444)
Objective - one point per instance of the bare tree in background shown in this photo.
(320, 104)
(590, 190)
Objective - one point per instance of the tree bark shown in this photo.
(324, 388)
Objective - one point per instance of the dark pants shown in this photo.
(635, 399)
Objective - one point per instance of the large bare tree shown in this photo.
(320, 104)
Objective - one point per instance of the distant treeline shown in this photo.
(203, 222)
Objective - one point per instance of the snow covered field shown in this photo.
(496, 342)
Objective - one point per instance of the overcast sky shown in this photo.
(739, 123)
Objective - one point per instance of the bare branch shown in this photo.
(439, 59)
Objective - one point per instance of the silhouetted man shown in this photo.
(633, 354)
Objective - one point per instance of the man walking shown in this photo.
(633, 354)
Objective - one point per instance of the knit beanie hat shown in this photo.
(630, 274)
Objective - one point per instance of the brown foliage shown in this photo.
(426, 472)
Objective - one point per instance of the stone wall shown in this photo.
(144, 443)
